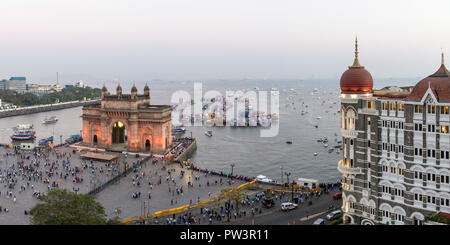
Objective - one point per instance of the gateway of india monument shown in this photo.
(127, 122)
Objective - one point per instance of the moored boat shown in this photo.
(23, 135)
(51, 119)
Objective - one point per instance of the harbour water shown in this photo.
(251, 154)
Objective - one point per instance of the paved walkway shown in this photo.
(34, 171)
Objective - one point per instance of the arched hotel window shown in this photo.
(350, 115)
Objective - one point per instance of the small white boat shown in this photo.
(208, 133)
(23, 126)
(315, 153)
(51, 119)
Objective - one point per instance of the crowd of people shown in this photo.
(27, 175)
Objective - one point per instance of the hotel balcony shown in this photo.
(346, 169)
(349, 133)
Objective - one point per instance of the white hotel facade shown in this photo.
(395, 164)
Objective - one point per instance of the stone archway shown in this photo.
(95, 139)
(118, 133)
(148, 145)
(348, 219)
(367, 222)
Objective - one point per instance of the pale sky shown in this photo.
(101, 40)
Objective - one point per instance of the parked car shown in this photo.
(337, 196)
(319, 221)
(334, 215)
(286, 206)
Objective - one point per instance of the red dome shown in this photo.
(356, 80)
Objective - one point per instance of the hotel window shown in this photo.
(392, 124)
(384, 105)
(417, 175)
(393, 170)
(444, 179)
(370, 104)
(444, 110)
(392, 147)
(351, 163)
(431, 109)
(368, 143)
(444, 129)
(444, 155)
(418, 108)
(431, 177)
(392, 106)
(417, 126)
(400, 149)
(431, 199)
(400, 125)
(431, 128)
(401, 171)
(418, 151)
(401, 107)
(431, 153)
(351, 142)
(445, 202)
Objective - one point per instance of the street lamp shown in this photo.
(281, 168)
(287, 175)
(60, 139)
(232, 166)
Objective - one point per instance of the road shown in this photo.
(303, 215)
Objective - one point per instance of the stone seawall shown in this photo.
(43, 108)
(187, 153)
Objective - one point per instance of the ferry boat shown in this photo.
(23, 127)
(51, 119)
(208, 133)
(23, 135)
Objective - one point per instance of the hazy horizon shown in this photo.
(101, 41)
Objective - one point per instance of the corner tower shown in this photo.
(356, 96)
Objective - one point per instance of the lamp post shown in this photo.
(287, 175)
(60, 139)
(281, 168)
(232, 166)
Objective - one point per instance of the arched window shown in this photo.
(350, 116)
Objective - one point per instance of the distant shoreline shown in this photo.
(42, 108)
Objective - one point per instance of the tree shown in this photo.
(234, 195)
(61, 207)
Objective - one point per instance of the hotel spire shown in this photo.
(356, 61)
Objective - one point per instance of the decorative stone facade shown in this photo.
(127, 121)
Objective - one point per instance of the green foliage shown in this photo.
(61, 207)
(440, 218)
(65, 95)
(337, 221)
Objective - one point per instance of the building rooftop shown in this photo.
(17, 78)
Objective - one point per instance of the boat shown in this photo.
(330, 150)
(46, 140)
(23, 135)
(23, 126)
(208, 133)
(289, 142)
(51, 119)
(178, 129)
(315, 153)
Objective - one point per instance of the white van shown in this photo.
(319, 221)
(27, 146)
